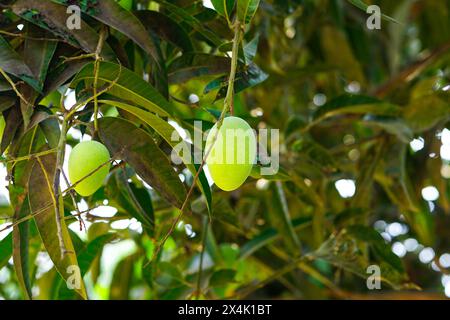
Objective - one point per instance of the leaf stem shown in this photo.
(56, 193)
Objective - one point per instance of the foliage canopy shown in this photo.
(364, 150)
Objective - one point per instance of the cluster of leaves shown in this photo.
(290, 236)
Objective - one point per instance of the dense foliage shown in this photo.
(364, 150)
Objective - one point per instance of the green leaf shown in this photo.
(252, 76)
(142, 154)
(113, 15)
(12, 63)
(41, 200)
(316, 154)
(378, 244)
(127, 86)
(21, 240)
(52, 17)
(224, 7)
(6, 249)
(13, 121)
(338, 53)
(183, 16)
(268, 236)
(392, 175)
(246, 9)
(165, 28)
(165, 130)
(363, 6)
(354, 104)
(86, 258)
(280, 175)
(191, 66)
(345, 250)
(392, 125)
(37, 55)
(222, 277)
(6, 102)
(121, 280)
(281, 218)
(250, 49)
(134, 201)
(425, 112)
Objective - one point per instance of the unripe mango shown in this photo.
(232, 156)
(84, 159)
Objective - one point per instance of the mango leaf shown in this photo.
(425, 112)
(165, 130)
(37, 55)
(6, 102)
(250, 49)
(13, 122)
(41, 200)
(339, 54)
(222, 277)
(252, 76)
(224, 7)
(86, 258)
(183, 16)
(246, 9)
(52, 17)
(142, 154)
(363, 6)
(4, 85)
(281, 218)
(165, 28)
(392, 176)
(269, 235)
(121, 280)
(392, 125)
(127, 85)
(316, 154)
(12, 63)
(191, 66)
(20, 249)
(355, 104)
(6, 248)
(280, 175)
(112, 14)
(344, 250)
(61, 74)
(135, 202)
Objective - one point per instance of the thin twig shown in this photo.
(200, 266)
(14, 87)
(74, 201)
(98, 51)
(228, 102)
(18, 35)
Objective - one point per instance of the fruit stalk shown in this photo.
(229, 99)
(228, 103)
